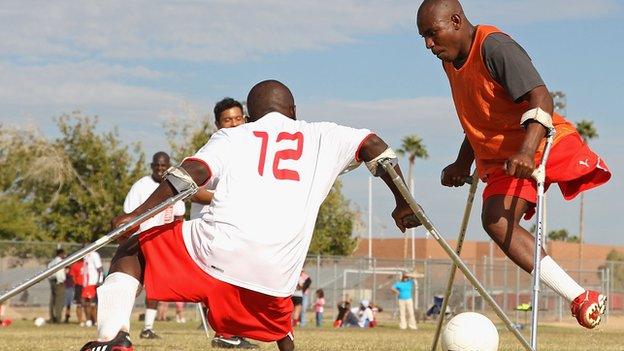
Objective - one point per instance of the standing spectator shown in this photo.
(179, 312)
(57, 288)
(405, 290)
(69, 294)
(75, 271)
(305, 301)
(319, 306)
(137, 195)
(297, 298)
(92, 276)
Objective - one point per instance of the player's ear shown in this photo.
(294, 112)
(456, 21)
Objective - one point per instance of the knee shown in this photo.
(495, 226)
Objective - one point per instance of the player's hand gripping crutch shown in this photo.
(108, 238)
(473, 181)
(540, 176)
(422, 218)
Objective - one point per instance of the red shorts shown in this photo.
(172, 275)
(89, 292)
(571, 164)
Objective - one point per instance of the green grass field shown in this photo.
(23, 335)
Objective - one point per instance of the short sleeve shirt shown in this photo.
(90, 270)
(138, 194)
(405, 288)
(510, 65)
(271, 177)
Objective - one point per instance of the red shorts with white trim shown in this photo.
(89, 292)
(571, 164)
(172, 275)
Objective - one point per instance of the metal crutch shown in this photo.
(422, 217)
(540, 176)
(96, 245)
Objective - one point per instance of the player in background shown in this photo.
(139, 192)
(92, 276)
(75, 271)
(246, 253)
(505, 110)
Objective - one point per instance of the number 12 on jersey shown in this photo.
(283, 154)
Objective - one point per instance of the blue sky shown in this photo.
(359, 63)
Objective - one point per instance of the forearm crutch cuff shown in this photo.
(179, 179)
(540, 116)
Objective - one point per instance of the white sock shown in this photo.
(150, 317)
(115, 301)
(557, 279)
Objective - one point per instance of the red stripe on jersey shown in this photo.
(205, 166)
(357, 152)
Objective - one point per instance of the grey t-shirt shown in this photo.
(510, 65)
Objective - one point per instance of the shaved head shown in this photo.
(446, 30)
(270, 96)
(440, 9)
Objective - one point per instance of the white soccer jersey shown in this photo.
(90, 273)
(137, 195)
(272, 176)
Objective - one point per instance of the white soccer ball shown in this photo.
(470, 331)
(39, 321)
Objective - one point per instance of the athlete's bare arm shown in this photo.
(456, 173)
(402, 214)
(195, 169)
(522, 164)
(203, 196)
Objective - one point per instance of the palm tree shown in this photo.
(412, 146)
(588, 132)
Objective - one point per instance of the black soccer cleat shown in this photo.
(120, 343)
(235, 342)
(149, 334)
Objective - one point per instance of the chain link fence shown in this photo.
(356, 278)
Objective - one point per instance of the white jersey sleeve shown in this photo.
(215, 156)
(133, 198)
(345, 141)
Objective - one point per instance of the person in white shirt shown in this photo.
(139, 192)
(245, 254)
(92, 276)
(57, 288)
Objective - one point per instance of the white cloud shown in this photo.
(233, 30)
(63, 87)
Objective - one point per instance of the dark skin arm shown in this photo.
(522, 164)
(195, 169)
(203, 196)
(402, 214)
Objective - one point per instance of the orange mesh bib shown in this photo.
(490, 119)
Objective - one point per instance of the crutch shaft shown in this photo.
(474, 181)
(111, 236)
(418, 211)
(540, 177)
(202, 315)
